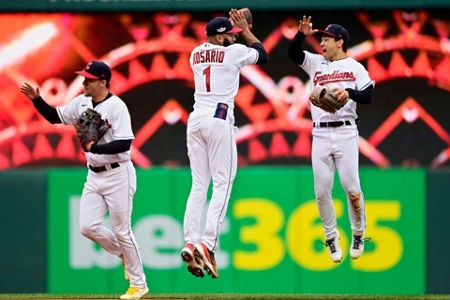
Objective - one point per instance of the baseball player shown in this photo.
(211, 140)
(111, 179)
(335, 134)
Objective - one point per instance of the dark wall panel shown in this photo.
(23, 230)
(438, 225)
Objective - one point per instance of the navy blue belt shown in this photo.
(104, 168)
(333, 123)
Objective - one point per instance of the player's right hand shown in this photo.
(238, 19)
(341, 95)
(305, 26)
(30, 91)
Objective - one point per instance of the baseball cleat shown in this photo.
(357, 246)
(134, 293)
(208, 259)
(194, 264)
(334, 249)
(124, 269)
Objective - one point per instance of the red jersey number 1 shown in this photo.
(207, 73)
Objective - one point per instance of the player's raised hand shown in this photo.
(30, 91)
(238, 19)
(305, 26)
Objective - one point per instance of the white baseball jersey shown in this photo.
(112, 109)
(343, 73)
(216, 73)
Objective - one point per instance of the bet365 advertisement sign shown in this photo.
(271, 241)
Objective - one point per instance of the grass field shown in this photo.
(225, 296)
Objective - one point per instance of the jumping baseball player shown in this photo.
(210, 134)
(335, 133)
(111, 179)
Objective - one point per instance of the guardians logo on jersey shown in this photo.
(336, 76)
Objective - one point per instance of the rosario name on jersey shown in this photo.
(343, 73)
(216, 72)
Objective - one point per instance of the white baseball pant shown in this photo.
(113, 191)
(337, 148)
(212, 154)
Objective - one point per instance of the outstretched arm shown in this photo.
(47, 111)
(239, 20)
(296, 53)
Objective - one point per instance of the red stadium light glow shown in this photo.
(149, 61)
(29, 41)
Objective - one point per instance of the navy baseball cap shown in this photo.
(336, 31)
(221, 25)
(96, 70)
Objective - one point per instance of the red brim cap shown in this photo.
(235, 30)
(86, 74)
(327, 33)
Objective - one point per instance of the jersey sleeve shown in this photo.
(69, 113)
(121, 123)
(363, 79)
(244, 55)
(311, 63)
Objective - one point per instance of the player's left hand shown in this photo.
(341, 95)
(305, 26)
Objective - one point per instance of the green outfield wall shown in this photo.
(270, 242)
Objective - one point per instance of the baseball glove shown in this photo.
(90, 127)
(324, 98)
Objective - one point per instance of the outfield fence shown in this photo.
(270, 242)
